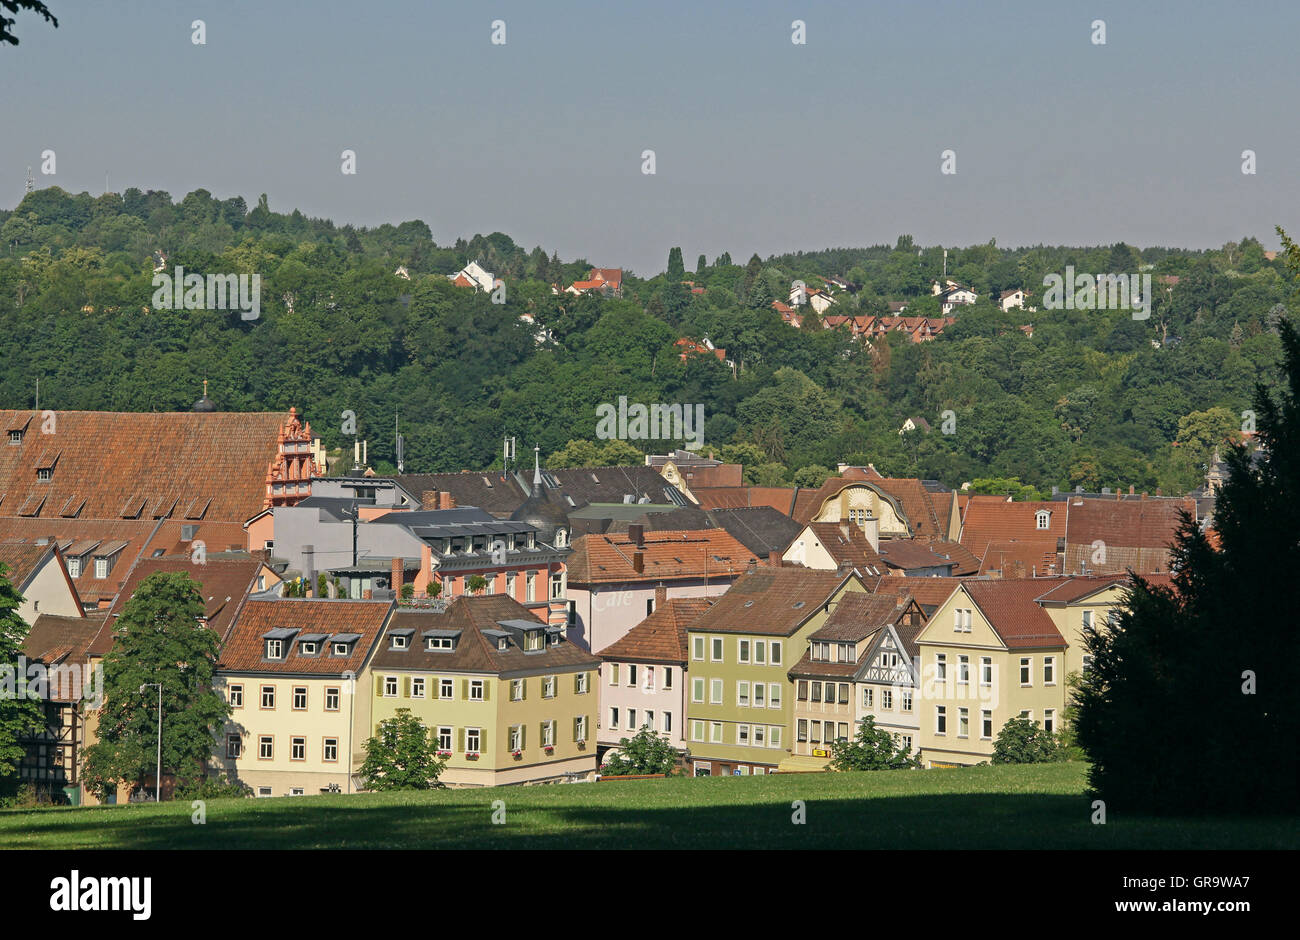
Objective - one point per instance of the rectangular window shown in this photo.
(516, 738)
(986, 724)
(101, 568)
(1049, 670)
(742, 693)
(801, 690)
(265, 747)
(580, 686)
(1026, 670)
(1049, 720)
(476, 690)
(648, 679)
(668, 677)
(828, 732)
(234, 746)
(668, 722)
(801, 730)
(580, 728)
(841, 731)
(815, 689)
(887, 699)
(867, 695)
(332, 699)
(963, 722)
(697, 690)
(649, 720)
(715, 732)
(774, 695)
(548, 687)
(74, 567)
(268, 696)
(613, 718)
(697, 648)
(236, 696)
(631, 675)
(907, 701)
(760, 653)
(941, 666)
(776, 653)
(760, 735)
(963, 669)
(742, 734)
(530, 587)
(844, 693)
(390, 686)
(815, 732)
(299, 698)
(940, 719)
(297, 748)
(744, 651)
(417, 687)
(631, 720)
(444, 738)
(986, 671)
(613, 673)
(329, 750)
(516, 690)
(473, 739)
(548, 734)
(445, 688)
(697, 731)
(759, 689)
(274, 649)
(715, 692)
(717, 649)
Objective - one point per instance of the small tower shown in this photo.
(289, 475)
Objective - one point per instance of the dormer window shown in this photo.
(400, 642)
(15, 437)
(340, 649)
(274, 649)
(44, 475)
(307, 648)
(501, 643)
(532, 540)
(101, 568)
(439, 644)
(560, 536)
(74, 567)
(533, 640)
(1042, 519)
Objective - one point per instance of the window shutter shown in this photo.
(464, 690)
(379, 686)
(576, 722)
(460, 740)
(487, 690)
(483, 740)
(576, 682)
(523, 689)
(406, 686)
(541, 732)
(523, 737)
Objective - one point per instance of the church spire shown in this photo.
(537, 471)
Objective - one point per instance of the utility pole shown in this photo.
(157, 791)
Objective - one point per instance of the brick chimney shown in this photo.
(774, 558)
(638, 561)
(366, 595)
(429, 499)
(636, 532)
(399, 572)
(661, 595)
(446, 500)
(1130, 489)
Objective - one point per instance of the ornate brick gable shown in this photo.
(289, 475)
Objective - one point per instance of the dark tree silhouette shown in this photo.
(14, 6)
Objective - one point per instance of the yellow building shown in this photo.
(506, 697)
(996, 650)
(294, 674)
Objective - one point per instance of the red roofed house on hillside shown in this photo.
(607, 281)
(613, 579)
(1005, 534)
(1105, 536)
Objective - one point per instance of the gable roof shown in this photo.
(761, 529)
(857, 616)
(771, 601)
(660, 637)
(224, 583)
(928, 592)
(780, 498)
(1010, 608)
(61, 641)
(848, 546)
(997, 519)
(113, 464)
(1137, 534)
(21, 560)
(245, 646)
(1015, 558)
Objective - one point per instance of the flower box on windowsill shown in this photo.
(516, 754)
(471, 755)
(446, 755)
(549, 749)
(582, 745)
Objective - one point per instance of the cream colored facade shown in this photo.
(960, 720)
(852, 503)
(315, 727)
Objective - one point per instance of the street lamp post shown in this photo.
(157, 793)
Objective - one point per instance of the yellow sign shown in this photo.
(821, 752)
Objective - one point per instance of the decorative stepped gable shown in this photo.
(289, 475)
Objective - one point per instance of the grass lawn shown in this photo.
(1005, 807)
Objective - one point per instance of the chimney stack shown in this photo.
(366, 595)
(636, 532)
(774, 558)
(871, 528)
(399, 572)
(446, 500)
(429, 499)
(638, 561)
(1130, 489)
(661, 595)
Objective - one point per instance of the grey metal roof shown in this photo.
(401, 631)
(344, 637)
(280, 633)
(452, 634)
(519, 624)
(312, 637)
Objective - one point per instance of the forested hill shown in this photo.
(1093, 398)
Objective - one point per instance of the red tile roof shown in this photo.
(59, 641)
(1010, 608)
(660, 637)
(115, 463)
(88, 536)
(780, 498)
(1136, 534)
(849, 546)
(770, 601)
(673, 555)
(928, 592)
(995, 519)
(21, 559)
(245, 649)
(1021, 559)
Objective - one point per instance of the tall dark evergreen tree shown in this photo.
(19, 713)
(676, 270)
(1188, 706)
(700, 264)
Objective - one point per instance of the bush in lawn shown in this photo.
(646, 753)
(871, 749)
(1021, 741)
(402, 756)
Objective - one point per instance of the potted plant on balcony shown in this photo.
(516, 754)
(549, 748)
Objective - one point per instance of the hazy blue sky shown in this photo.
(761, 145)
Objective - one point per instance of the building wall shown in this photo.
(842, 717)
(494, 716)
(703, 717)
(47, 592)
(282, 723)
(863, 496)
(642, 697)
(603, 614)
